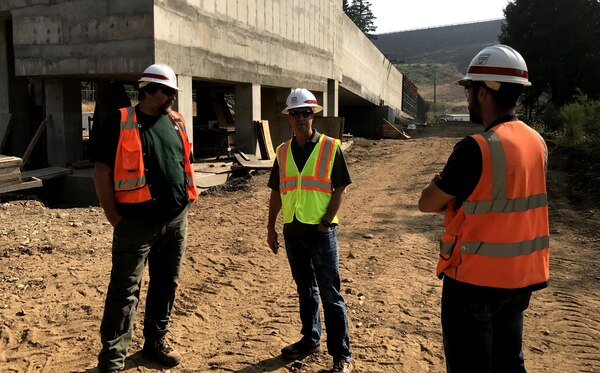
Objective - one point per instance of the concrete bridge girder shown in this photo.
(249, 45)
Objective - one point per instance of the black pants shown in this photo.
(482, 329)
(136, 242)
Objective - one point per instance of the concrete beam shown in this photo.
(184, 104)
(4, 77)
(332, 98)
(63, 134)
(247, 110)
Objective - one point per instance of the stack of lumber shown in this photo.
(10, 175)
(263, 135)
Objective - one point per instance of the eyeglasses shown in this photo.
(168, 91)
(305, 113)
(471, 85)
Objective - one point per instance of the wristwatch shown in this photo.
(327, 223)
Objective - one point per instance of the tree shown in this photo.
(360, 13)
(560, 41)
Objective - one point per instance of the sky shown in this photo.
(402, 15)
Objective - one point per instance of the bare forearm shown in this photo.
(274, 208)
(335, 203)
(433, 199)
(103, 183)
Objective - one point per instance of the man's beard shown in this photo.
(166, 108)
(475, 111)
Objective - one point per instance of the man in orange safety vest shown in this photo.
(145, 184)
(495, 248)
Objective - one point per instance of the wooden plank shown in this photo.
(12, 177)
(5, 126)
(391, 131)
(206, 180)
(243, 155)
(215, 169)
(47, 173)
(253, 162)
(35, 139)
(26, 183)
(265, 143)
(8, 161)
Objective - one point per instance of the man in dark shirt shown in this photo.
(495, 248)
(308, 182)
(142, 178)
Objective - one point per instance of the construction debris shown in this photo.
(10, 175)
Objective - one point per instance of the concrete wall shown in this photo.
(82, 37)
(366, 72)
(270, 43)
(274, 43)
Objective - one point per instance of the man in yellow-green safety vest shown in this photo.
(308, 182)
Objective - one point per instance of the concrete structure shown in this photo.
(251, 50)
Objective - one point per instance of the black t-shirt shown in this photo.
(339, 177)
(462, 172)
(163, 163)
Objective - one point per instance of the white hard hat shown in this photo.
(498, 63)
(301, 97)
(159, 73)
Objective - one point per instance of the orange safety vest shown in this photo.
(129, 177)
(499, 237)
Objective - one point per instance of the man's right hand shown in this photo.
(113, 219)
(272, 240)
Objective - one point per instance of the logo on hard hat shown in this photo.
(482, 59)
(294, 99)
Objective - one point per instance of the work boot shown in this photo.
(342, 366)
(299, 350)
(159, 351)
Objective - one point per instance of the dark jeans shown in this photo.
(136, 242)
(313, 260)
(482, 328)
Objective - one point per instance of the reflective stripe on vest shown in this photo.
(495, 240)
(129, 177)
(298, 190)
(192, 192)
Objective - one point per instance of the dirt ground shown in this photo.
(236, 305)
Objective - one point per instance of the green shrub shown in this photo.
(579, 127)
(573, 121)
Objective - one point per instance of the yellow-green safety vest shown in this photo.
(307, 194)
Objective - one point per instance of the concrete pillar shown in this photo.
(184, 103)
(332, 98)
(320, 96)
(272, 102)
(279, 127)
(63, 134)
(247, 110)
(4, 77)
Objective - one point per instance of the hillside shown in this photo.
(444, 51)
(455, 44)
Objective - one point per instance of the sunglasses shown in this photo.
(168, 91)
(305, 113)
